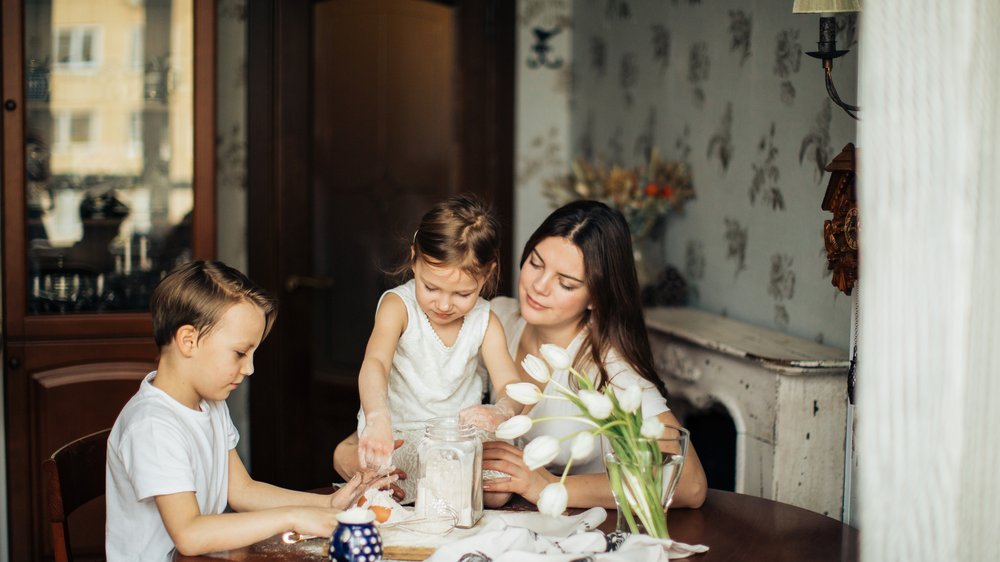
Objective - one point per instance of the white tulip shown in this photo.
(556, 356)
(552, 501)
(540, 451)
(583, 445)
(630, 398)
(598, 405)
(652, 428)
(536, 368)
(514, 427)
(524, 392)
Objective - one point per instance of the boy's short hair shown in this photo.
(198, 293)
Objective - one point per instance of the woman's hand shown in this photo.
(523, 481)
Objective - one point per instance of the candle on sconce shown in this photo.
(128, 256)
(143, 254)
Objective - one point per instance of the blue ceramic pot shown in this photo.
(355, 539)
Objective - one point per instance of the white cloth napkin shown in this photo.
(532, 537)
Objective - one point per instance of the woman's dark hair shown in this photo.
(460, 232)
(614, 318)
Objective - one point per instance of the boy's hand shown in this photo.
(375, 444)
(486, 416)
(316, 521)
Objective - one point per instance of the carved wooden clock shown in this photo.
(840, 233)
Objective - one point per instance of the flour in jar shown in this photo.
(450, 473)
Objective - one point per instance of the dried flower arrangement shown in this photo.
(643, 194)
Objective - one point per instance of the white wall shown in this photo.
(930, 253)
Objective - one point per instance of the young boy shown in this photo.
(172, 466)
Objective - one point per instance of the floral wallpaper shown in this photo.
(543, 82)
(725, 87)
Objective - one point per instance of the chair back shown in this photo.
(73, 475)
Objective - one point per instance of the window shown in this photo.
(79, 128)
(76, 47)
(135, 144)
(74, 128)
(138, 46)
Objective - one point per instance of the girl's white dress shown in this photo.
(429, 379)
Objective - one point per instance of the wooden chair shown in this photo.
(73, 475)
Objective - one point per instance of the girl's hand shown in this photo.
(504, 457)
(485, 416)
(488, 416)
(349, 494)
(375, 445)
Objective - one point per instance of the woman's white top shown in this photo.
(620, 373)
(429, 379)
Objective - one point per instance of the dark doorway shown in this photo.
(713, 434)
(363, 114)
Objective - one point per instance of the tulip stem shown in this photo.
(574, 418)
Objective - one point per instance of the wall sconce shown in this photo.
(827, 45)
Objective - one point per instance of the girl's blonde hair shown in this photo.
(459, 232)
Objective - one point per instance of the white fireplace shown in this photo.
(787, 398)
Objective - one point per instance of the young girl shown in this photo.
(423, 354)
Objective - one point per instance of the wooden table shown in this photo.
(733, 526)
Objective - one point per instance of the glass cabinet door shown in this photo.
(108, 150)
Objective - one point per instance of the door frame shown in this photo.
(279, 174)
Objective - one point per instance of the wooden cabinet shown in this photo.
(108, 182)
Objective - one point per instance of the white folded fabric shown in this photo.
(532, 537)
(561, 527)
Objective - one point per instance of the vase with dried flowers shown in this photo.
(643, 194)
(644, 458)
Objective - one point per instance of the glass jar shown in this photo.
(450, 472)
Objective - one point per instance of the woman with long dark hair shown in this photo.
(578, 290)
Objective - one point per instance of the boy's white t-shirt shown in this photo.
(620, 375)
(158, 446)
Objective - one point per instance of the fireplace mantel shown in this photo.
(787, 397)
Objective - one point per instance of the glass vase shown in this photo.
(643, 270)
(643, 474)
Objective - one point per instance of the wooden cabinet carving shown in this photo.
(108, 182)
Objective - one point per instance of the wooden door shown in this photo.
(371, 112)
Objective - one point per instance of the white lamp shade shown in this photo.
(825, 6)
